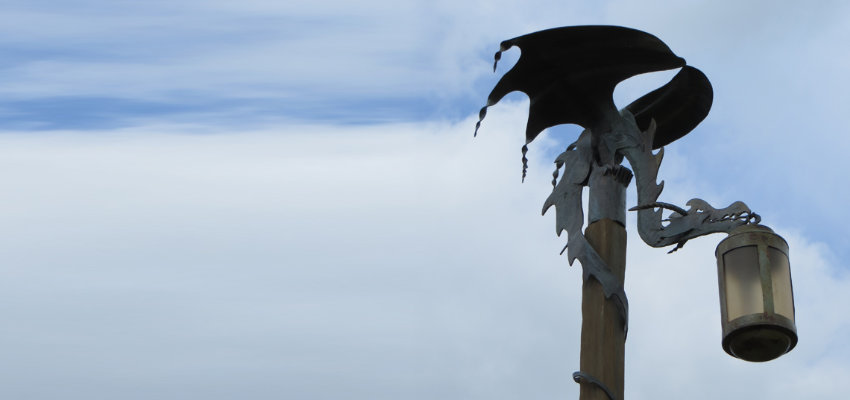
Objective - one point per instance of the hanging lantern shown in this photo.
(756, 299)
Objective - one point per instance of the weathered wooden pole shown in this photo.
(603, 335)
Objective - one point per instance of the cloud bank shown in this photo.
(390, 261)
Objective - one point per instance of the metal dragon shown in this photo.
(575, 84)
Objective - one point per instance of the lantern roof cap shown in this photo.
(749, 235)
(750, 228)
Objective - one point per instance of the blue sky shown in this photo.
(92, 66)
(284, 200)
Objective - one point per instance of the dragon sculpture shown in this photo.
(569, 75)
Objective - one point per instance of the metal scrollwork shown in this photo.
(581, 377)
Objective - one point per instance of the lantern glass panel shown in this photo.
(780, 275)
(743, 282)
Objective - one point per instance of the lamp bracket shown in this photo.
(681, 225)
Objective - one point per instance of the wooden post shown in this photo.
(602, 337)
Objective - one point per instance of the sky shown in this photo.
(265, 200)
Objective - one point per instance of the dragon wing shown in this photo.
(677, 107)
(569, 73)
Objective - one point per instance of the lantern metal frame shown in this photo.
(761, 237)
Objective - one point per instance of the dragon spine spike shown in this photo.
(649, 135)
(658, 157)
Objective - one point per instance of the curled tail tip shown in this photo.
(524, 162)
(481, 114)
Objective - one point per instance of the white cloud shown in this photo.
(402, 261)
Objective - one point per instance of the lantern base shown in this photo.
(759, 343)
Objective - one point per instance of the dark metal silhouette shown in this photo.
(570, 73)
